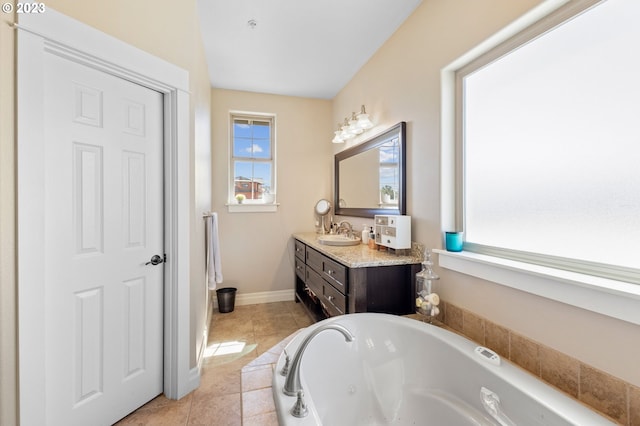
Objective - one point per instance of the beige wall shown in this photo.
(402, 82)
(172, 34)
(257, 251)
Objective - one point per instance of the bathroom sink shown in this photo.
(338, 240)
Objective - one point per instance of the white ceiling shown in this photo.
(308, 48)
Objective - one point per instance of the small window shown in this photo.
(252, 167)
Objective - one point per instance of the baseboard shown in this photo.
(194, 378)
(194, 373)
(262, 297)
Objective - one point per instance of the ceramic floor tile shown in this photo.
(224, 410)
(280, 324)
(268, 419)
(215, 382)
(257, 402)
(233, 348)
(266, 343)
(169, 414)
(256, 378)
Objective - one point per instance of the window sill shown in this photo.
(252, 208)
(608, 297)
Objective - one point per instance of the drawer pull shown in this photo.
(330, 298)
(330, 272)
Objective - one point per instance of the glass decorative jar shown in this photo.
(426, 301)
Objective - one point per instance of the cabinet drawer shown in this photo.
(300, 269)
(334, 301)
(331, 270)
(336, 274)
(315, 260)
(300, 250)
(315, 282)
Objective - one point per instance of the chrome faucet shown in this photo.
(346, 227)
(292, 384)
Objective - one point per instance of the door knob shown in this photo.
(155, 260)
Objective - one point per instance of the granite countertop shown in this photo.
(359, 256)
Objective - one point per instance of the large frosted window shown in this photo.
(552, 141)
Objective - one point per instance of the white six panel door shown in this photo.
(104, 221)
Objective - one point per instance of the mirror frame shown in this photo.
(401, 130)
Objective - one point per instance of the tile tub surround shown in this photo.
(359, 256)
(608, 395)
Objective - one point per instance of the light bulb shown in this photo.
(346, 133)
(354, 127)
(338, 135)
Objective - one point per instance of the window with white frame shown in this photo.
(252, 168)
(549, 143)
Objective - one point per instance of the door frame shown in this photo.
(55, 33)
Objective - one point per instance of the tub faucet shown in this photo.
(292, 384)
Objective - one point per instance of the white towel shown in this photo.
(214, 266)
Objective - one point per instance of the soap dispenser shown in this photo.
(426, 301)
(372, 239)
(365, 234)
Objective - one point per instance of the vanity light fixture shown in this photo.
(363, 119)
(338, 135)
(346, 132)
(357, 125)
(354, 128)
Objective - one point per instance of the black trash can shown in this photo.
(226, 299)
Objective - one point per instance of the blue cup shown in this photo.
(453, 241)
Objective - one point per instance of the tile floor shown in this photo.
(235, 387)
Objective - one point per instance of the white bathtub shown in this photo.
(400, 371)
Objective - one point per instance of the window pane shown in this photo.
(262, 173)
(551, 142)
(242, 147)
(251, 139)
(389, 152)
(261, 148)
(241, 128)
(252, 179)
(261, 130)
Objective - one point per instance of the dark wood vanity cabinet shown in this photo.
(328, 288)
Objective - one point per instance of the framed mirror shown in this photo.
(370, 178)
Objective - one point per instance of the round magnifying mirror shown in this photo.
(323, 207)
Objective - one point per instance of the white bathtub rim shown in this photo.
(539, 391)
